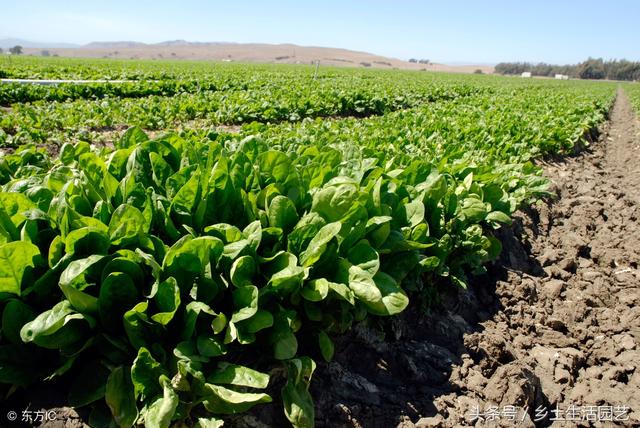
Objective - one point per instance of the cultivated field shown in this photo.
(254, 245)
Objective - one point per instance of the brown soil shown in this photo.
(569, 334)
(105, 137)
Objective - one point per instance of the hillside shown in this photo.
(245, 52)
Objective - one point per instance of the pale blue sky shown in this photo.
(482, 31)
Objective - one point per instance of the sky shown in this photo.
(448, 31)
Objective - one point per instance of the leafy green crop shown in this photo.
(156, 265)
(633, 91)
(161, 105)
(182, 277)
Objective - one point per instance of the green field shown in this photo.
(633, 91)
(175, 246)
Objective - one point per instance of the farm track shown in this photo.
(555, 323)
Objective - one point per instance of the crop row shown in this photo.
(481, 129)
(633, 91)
(100, 69)
(208, 78)
(159, 266)
(40, 121)
(11, 93)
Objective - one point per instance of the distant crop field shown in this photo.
(186, 246)
(633, 91)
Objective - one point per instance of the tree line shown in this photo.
(593, 68)
(16, 50)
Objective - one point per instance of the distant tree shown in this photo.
(622, 70)
(477, 71)
(1, 50)
(424, 61)
(45, 53)
(413, 60)
(512, 67)
(542, 69)
(592, 69)
(16, 50)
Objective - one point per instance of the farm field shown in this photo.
(215, 243)
(633, 92)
